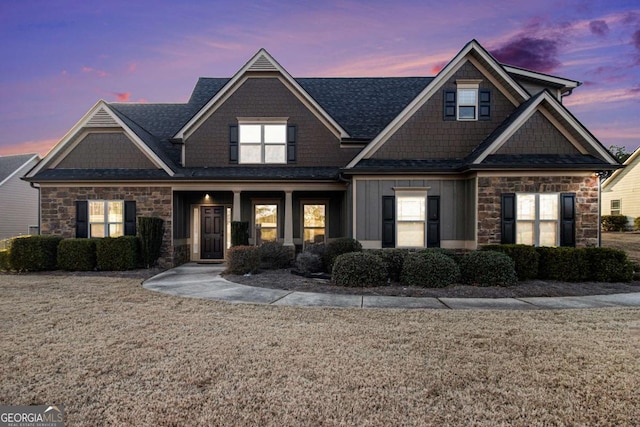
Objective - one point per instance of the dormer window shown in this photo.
(262, 143)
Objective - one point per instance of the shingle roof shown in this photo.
(10, 164)
(100, 174)
(566, 161)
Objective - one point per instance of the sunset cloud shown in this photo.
(599, 27)
(122, 96)
(99, 73)
(41, 147)
(529, 52)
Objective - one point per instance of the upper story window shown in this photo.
(262, 143)
(468, 102)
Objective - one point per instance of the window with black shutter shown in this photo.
(388, 222)
(433, 221)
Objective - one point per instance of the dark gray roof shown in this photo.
(565, 161)
(10, 164)
(99, 174)
(262, 173)
(388, 165)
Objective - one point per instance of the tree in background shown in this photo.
(619, 152)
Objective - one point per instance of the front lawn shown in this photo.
(116, 354)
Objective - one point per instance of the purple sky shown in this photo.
(60, 57)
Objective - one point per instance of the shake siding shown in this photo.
(19, 206)
(316, 145)
(106, 150)
(427, 136)
(457, 207)
(537, 136)
(627, 190)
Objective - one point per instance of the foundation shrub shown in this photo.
(4, 260)
(151, 233)
(338, 247)
(316, 248)
(242, 259)
(273, 255)
(393, 260)
(608, 265)
(525, 257)
(308, 263)
(563, 264)
(34, 253)
(117, 253)
(239, 233)
(636, 224)
(614, 222)
(359, 269)
(488, 268)
(77, 255)
(431, 269)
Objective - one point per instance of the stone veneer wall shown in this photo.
(490, 190)
(58, 210)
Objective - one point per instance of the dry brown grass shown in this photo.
(116, 354)
(628, 242)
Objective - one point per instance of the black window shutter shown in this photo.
(388, 221)
(233, 144)
(82, 220)
(484, 104)
(508, 218)
(291, 144)
(433, 221)
(449, 112)
(129, 218)
(567, 219)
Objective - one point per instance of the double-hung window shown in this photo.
(615, 207)
(266, 222)
(263, 143)
(537, 219)
(467, 96)
(314, 223)
(411, 219)
(106, 218)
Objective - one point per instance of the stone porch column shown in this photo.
(236, 206)
(288, 219)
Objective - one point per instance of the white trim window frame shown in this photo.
(411, 218)
(106, 218)
(616, 207)
(538, 219)
(262, 142)
(467, 100)
(324, 227)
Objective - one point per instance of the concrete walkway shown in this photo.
(204, 281)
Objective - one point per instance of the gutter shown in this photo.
(37, 188)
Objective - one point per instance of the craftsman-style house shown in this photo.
(481, 153)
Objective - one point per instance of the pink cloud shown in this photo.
(41, 147)
(99, 73)
(132, 67)
(122, 96)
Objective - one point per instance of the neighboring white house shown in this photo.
(18, 200)
(621, 191)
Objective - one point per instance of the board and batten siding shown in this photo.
(457, 208)
(19, 206)
(626, 188)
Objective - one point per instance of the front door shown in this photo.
(212, 228)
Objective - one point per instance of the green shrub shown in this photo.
(242, 259)
(273, 255)
(34, 253)
(563, 264)
(117, 253)
(614, 222)
(4, 260)
(488, 268)
(431, 269)
(526, 259)
(338, 247)
(358, 269)
(77, 255)
(316, 248)
(239, 233)
(608, 265)
(308, 262)
(393, 260)
(151, 233)
(636, 224)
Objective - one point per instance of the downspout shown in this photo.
(39, 205)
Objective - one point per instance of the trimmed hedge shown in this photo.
(431, 269)
(34, 253)
(77, 255)
(4, 260)
(614, 222)
(358, 269)
(525, 257)
(242, 259)
(273, 255)
(338, 247)
(393, 259)
(151, 233)
(608, 265)
(308, 263)
(563, 264)
(636, 224)
(488, 268)
(239, 233)
(117, 253)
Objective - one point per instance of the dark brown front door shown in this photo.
(212, 227)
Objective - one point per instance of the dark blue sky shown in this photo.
(60, 57)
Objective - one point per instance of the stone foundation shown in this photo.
(490, 190)
(58, 210)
